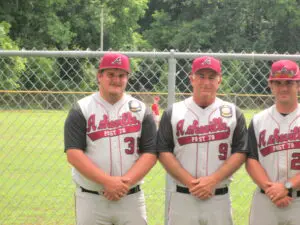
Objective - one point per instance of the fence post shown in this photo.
(171, 78)
(171, 100)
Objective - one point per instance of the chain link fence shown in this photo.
(38, 88)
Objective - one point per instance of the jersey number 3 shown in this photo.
(223, 150)
(131, 144)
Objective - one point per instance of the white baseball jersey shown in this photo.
(112, 136)
(202, 138)
(274, 140)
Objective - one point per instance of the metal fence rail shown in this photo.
(38, 87)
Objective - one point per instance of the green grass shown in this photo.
(36, 185)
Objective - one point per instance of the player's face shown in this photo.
(205, 84)
(112, 84)
(285, 91)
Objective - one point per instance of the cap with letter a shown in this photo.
(114, 61)
(206, 62)
(284, 70)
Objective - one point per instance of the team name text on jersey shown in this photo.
(127, 123)
(278, 142)
(215, 130)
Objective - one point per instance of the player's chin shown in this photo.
(284, 100)
(205, 94)
(208, 91)
(117, 90)
(115, 94)
(284, 97)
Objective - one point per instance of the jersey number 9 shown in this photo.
(223, 150)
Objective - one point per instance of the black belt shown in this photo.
(131, 191)
(219, 191)
(290, 194)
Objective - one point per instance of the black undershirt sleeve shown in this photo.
(239, 139)
(165, 142)
(252, 142)
(75, 129)
(147, 142)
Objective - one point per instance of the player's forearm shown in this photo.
(174, 168)
(141, 167)
(257, 173)
(86, 167)
(232, 164)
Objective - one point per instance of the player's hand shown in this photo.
(283, 202)
(116, 188)
(203, 187)
(111, 197)
(276, 191)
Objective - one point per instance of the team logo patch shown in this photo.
(134, 106)
(226, 111)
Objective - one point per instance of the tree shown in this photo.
(122, 21)
(284, 20)
(227, 25)
(11, 67)
(35, 24)
(72, 24)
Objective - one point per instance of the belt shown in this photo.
(131, 191)
(219, 191)
(289, 194)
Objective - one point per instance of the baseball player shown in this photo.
(110, 140)
(202, 142)
(155, 110)
(274, 151)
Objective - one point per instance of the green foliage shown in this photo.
(284, 19)
(205, 25)
(39, 74)
(228, 25)
(182, 25)
(162, 85)
(235, 72)
(11, 67)
(148, 75)
(33, 23)
(60, 32)
(66, 24)
(238, 25)
(121, 18)
(200, 35)
(90, 82)
(162, 30)
(139, 43)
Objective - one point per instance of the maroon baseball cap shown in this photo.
(284, 70)
(115, 61)
(206, 62)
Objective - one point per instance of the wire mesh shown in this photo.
(36, 92)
